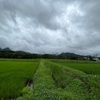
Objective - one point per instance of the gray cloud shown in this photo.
(50, 26)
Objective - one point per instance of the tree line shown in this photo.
(7, 53)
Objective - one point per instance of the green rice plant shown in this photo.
(14, 76)
(89, 67)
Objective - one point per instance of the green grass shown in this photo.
(45, 87)
(64, 77)
(52, 80)
(80, 85)
(14, 75)
(88, 67)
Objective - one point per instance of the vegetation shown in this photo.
(52, 80)
(89, 67)
(7, 53)
(14, 76)
(56, 82)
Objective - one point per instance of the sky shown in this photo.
(51, 26)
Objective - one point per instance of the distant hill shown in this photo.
(6, 49)
(0, 49)
(68, 54)
(8, 53)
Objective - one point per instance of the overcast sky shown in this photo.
(50, 26)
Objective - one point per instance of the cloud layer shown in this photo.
(50, 26)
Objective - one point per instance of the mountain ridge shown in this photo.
(65, 55)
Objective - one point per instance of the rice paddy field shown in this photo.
(89, 67)
(50, 80)
(14, 75)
